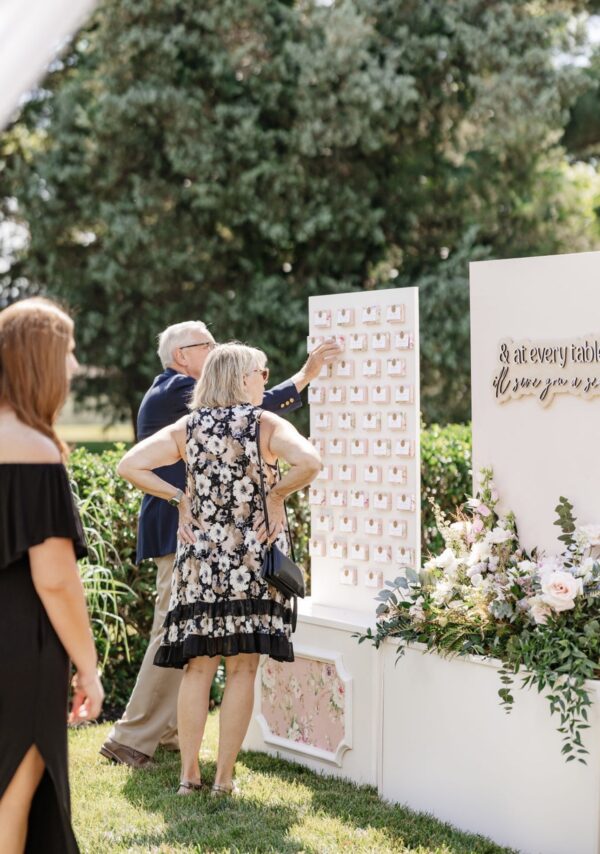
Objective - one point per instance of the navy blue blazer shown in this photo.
(165, 402)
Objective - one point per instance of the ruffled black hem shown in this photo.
(229, 608)
(178, 654)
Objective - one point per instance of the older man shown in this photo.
(150, 718)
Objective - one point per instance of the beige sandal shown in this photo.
(219, 791)
(188, 786)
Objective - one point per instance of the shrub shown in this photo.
(113, 506)
(445, 476)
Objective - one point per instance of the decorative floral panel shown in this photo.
(304, 702)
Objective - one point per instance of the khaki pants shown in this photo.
(150, 718)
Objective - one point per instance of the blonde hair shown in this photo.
(34, 342)
(222, 380)
(176, 335)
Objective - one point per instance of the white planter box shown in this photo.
(449, 748)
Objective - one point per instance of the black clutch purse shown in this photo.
(278, 569)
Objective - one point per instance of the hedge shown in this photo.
(446, 477)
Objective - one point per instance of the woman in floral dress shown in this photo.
(220, 605)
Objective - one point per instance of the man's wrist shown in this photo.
(301, 380)
(175, 499)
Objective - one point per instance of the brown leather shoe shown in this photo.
(124, 755)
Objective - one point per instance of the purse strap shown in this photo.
(264, 494)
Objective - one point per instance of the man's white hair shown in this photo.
(175, 336)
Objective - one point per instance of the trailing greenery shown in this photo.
(111, 507)
(231, 158)
(485, 595)
(284, 809)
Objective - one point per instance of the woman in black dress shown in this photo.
(44, 618)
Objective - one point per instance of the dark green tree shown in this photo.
(227, 160)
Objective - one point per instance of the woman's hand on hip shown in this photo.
(185, 529)
(276, 514)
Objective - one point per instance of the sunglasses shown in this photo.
(264, 372)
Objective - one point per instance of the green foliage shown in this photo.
(112, 507)
(446, 477)
(229, 159)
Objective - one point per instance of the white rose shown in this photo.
(591, 534)
(442, 592)
(476, 579)
(540, 611)
(499, 535)
(585, 570)
(480, 551)
(559, 590)
(448, 562)
(551, 564)
(527, 566)
(462, 528)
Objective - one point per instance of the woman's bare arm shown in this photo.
(57, 582)
(281, 440)
(164, 448)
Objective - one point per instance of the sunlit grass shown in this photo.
(283, 808)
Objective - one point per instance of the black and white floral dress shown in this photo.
(219, 603)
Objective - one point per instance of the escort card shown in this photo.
(344, 369)
(323, 522)
(316, 548)
(380, 341)
(337, 498)
(322, 319)
(348, 575)
(371, 421)
(336, 447)
(382, 447)
(346, 421)
(358, 341)
(396, 367)
(372, 474)
(395, 314)
(371, 368)
(359, 551)
(397, 474)
(344, 317)
(358, 394)
(316, 394)
(372, 526)
(346, 472)
(396, 528)
(358, 498)
(371, 314)
(403, 394)
(324, 474)
(405, 502)
(380, 394)
(382, 501)
(337, 394)
(359, 447)
(347, 525)
(337, 550)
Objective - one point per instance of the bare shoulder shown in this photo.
(273, 421)
(22, 444)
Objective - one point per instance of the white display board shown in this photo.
(535, 355)
(364, 415)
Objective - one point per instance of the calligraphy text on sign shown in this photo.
(546, 368)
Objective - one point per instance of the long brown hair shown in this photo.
(34, 343)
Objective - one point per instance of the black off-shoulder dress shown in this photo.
(35, 503)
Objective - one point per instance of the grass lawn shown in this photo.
(283, 808)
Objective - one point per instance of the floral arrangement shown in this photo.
(484, 595)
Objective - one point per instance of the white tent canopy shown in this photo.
(31, 33)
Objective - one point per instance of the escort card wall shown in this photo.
(535, 354)
(364, 415)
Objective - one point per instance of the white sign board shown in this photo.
(364, 415)
(535, 356)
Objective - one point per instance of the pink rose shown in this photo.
(559, 590)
